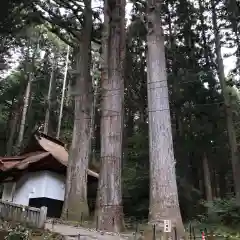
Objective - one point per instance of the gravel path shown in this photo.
(79, 233)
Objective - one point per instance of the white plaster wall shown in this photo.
(8, 191)
(28, 186)
(55, 186)
(35, 185)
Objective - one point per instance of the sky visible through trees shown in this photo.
(229, 62)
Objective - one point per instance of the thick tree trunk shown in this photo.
(207, 179)
(49, 97)
(229, 114)
(76, 205)
(164, 202)
(109, 203)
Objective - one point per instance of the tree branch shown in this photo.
(66, 4)
(56, 20)
(60, 35)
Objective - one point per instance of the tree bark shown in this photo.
(227, 103)
(109, 202)
(76, 205)
(164, 202)
(49, 97)
(70, 166)
(207, 179)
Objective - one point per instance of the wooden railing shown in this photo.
(29, 216)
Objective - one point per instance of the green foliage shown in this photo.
(136, 177)
(18, 233)
(222, 212)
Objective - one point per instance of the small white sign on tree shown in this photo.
(167, 226)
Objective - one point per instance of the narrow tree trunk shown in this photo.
(164, 202)
(104, 78)
(229, 184)
(64, 214)
(14, 118)
(109, 204)
(234, 10)
(76, 205)
(68, 183)
(207, 179)
(24, 113)
(93, 117)
(49, 97)
(27, 96)
(229, 114)
(63, 93)
(214, 184)
(200, 181)
(207, 48)
(201, 8)
(217, 176)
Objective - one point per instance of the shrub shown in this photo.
(18, 233)
(223, 211)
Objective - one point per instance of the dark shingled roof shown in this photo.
(41, 149)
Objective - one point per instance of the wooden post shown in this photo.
(96, 223)
(136, 230)
(190, 231)
(193, 233)
(42, 217)
(154, 232)
(175, 233)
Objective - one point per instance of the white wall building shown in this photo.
(37, 177)
(42, 184)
